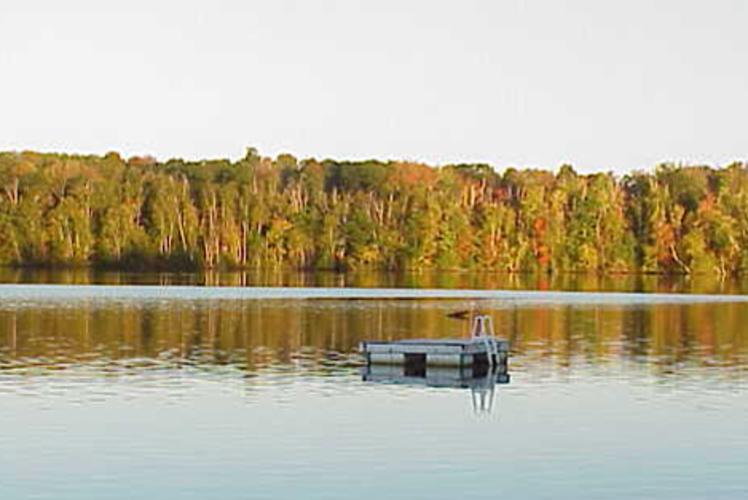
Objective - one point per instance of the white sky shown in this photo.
(601, 84)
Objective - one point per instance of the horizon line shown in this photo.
(162, 159)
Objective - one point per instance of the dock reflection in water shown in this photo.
(480, 379)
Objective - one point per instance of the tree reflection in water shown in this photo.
(320, 337)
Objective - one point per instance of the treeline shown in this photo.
(68, 210)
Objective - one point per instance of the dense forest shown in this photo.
(139, 213)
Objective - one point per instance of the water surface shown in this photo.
(196, 392)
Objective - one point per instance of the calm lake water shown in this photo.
(241, 391)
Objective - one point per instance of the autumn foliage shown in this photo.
(63, 210)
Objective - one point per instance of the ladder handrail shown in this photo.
(482, 326)
(483, 329)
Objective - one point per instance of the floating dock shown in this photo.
(482, 349)
(465, 377)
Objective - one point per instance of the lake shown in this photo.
(114, 387)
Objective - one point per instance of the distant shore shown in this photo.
(60, 210)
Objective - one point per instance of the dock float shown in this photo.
(464, 377)
(481, 349)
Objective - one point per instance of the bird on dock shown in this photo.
(459, 314)
(464, 314)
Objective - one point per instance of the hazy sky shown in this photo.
(601, 84)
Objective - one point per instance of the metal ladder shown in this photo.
(483, 329)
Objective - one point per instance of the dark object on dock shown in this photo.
(460, 314)
(465, 314)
